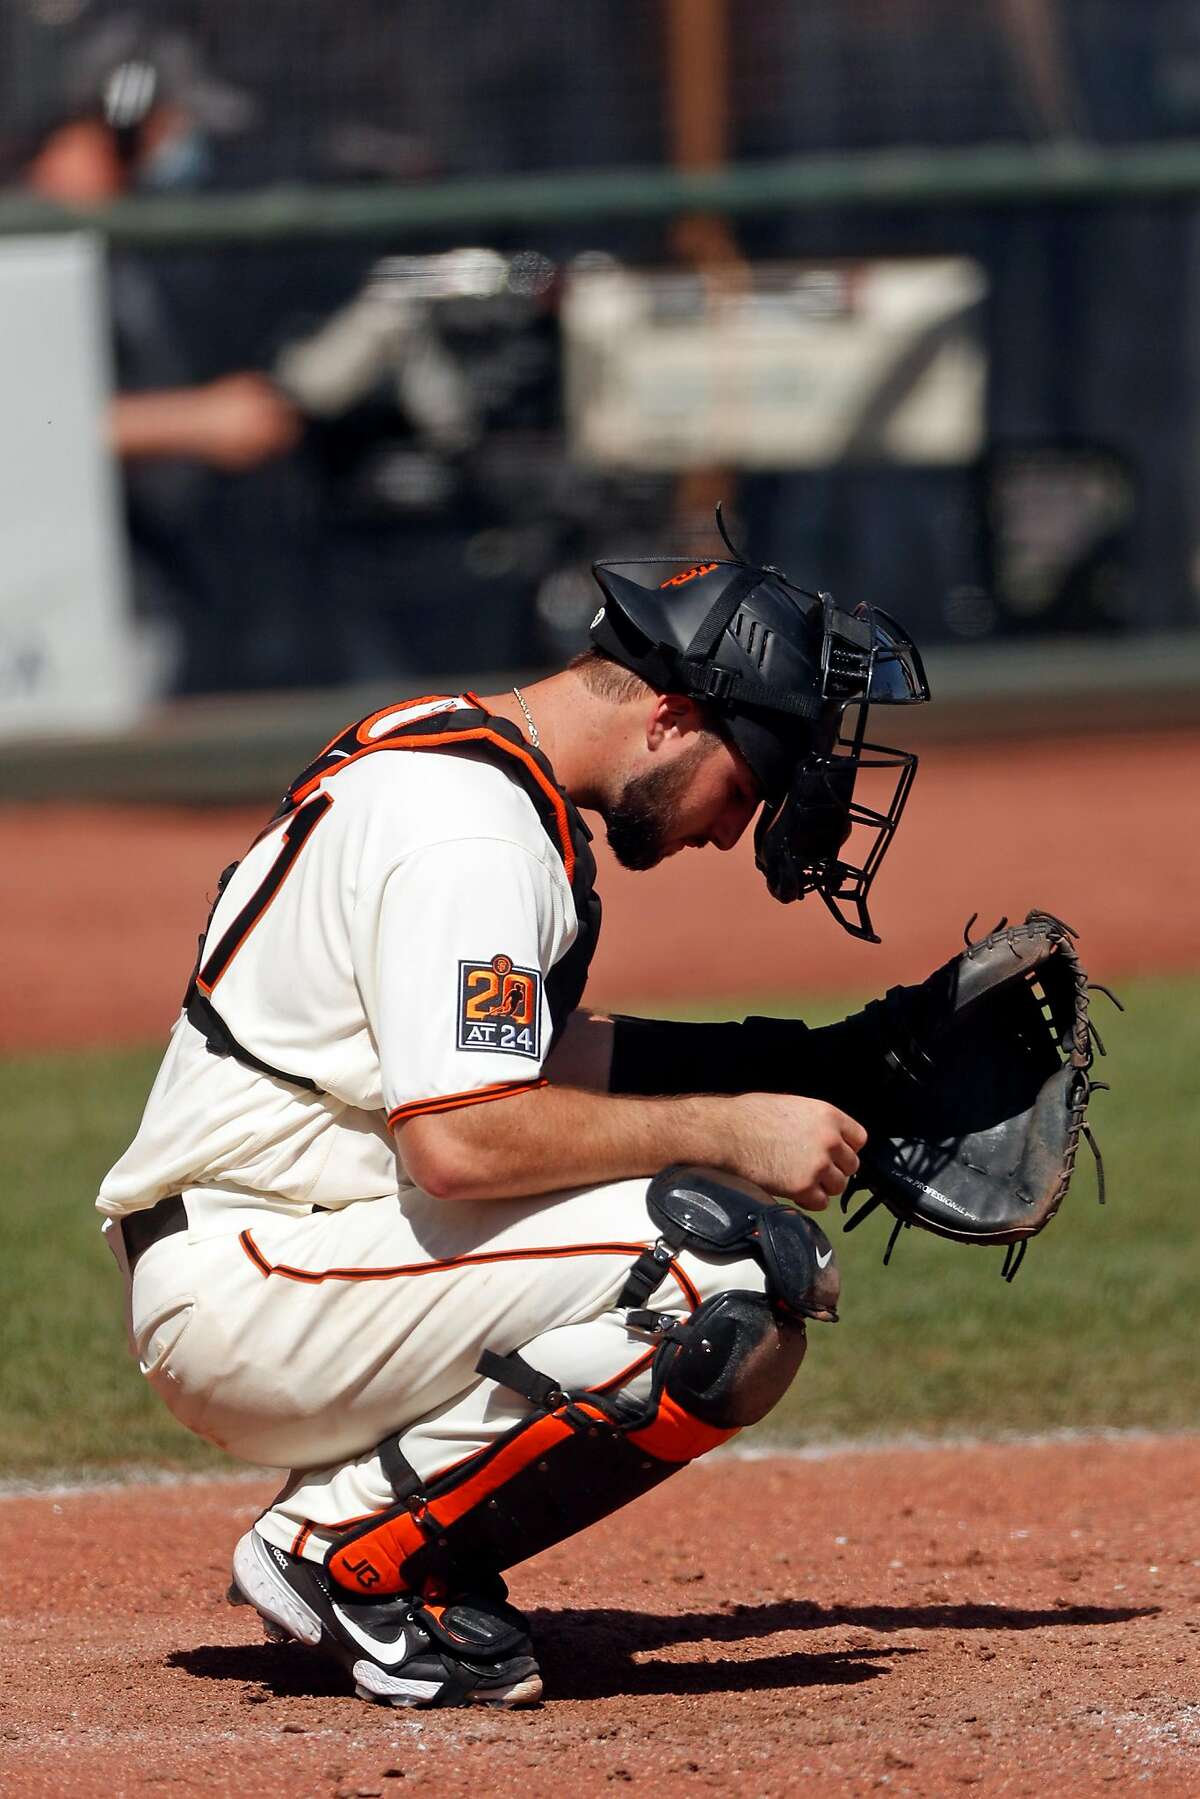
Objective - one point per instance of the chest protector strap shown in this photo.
(440, 724)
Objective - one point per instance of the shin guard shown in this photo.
(579, 1456)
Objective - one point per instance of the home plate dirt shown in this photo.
(1016, 1619)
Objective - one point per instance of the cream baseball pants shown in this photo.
(303, 1341)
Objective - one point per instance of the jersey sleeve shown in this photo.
(464, 936)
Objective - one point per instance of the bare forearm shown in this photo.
(555, 1137)
(149, 425)
(233, 423)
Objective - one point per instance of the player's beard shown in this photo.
(639, 823)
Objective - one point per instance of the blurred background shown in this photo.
(337, 337)
(394, 324)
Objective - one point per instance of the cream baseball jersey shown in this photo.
(403, 937)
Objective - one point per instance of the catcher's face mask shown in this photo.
(818, 835)
(787, 676)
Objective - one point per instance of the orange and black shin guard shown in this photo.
(543, 1481)
(579, 1457)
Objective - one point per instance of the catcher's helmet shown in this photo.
(777, 667)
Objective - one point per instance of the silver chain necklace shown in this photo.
(534, 739)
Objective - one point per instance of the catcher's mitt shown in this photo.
(975, 1125)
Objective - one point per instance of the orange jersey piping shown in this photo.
(450, 1102)
(477, 734)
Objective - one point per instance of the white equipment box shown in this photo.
(66, 645)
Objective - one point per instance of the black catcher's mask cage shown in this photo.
(789, 676)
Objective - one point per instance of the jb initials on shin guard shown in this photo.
(583, 1454)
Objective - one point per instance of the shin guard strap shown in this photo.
(515, 1373)
(647, 1274)
(398, 1471)
(402, 1549)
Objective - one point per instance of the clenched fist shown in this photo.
(801, 1149)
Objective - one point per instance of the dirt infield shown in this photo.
(102, 904)
(1000, 1619)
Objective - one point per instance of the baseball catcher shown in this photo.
(474, 1266)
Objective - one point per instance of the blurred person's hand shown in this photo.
(246, 420)
(234, 423)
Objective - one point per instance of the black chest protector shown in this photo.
(468, 730)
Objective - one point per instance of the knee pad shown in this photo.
(719, 1215)
(731, 1362)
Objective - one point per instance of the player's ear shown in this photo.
(673, 715)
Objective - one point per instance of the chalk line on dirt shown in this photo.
(69, 1486)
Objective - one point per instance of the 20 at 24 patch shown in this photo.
(500, 1007)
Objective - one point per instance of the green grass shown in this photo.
(71, 1398)
(1098, 1329)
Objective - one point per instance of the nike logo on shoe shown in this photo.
(823, 1261)
(389, 1655)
